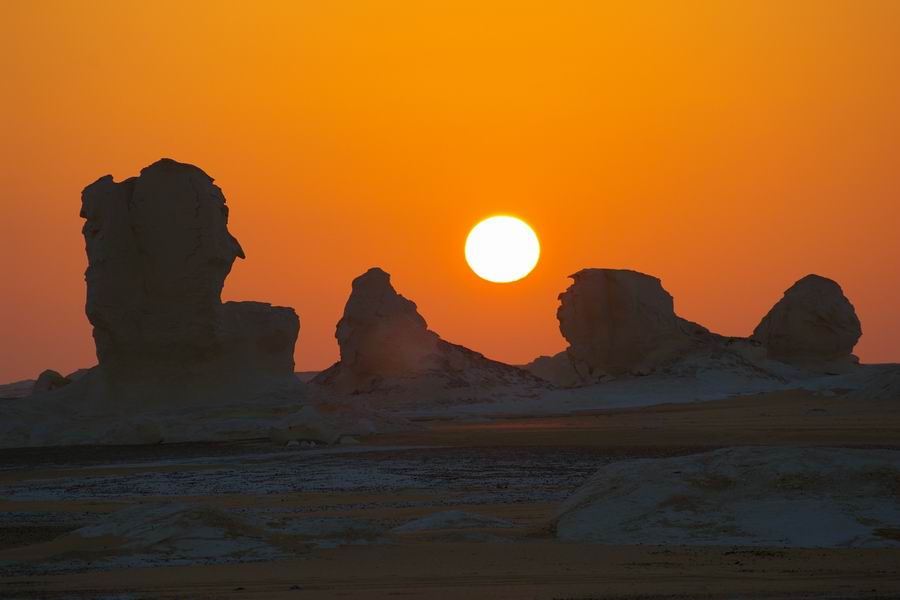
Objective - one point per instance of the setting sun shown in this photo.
(502, 249)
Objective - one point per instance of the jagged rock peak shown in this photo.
(381, 333)
(386, 347)
(373, 300)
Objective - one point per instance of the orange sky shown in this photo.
(728, 148)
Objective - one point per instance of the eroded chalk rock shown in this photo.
(747, 496)
(381, 333)
(813, 324)
(260, 337)
(620, 322)
(175, 363)
(616, 321)
(49, 380)
(386, 347)
(156, 534)
(159, 251)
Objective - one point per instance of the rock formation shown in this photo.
(49, 380)
(159, 250)
(620, 322)
(381, 333)
(175, 363)
(616, 322)
(386, 346)
(172, 532)
(748, 496)
(813, 324)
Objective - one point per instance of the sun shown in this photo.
(502, 249)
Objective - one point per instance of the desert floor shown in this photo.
(515, 470)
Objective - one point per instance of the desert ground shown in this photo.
(452, 509)
(652, 458)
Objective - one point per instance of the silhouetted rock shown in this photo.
(616, 322)
(77, 374)
(260, 337)
(150, 534)
(159, 251)
(175, 363)
(386, 346)
(811, 325)
(560, 370)
(621, 322)
(381, 333)
(49, 380)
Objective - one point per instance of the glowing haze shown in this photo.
(729, 148)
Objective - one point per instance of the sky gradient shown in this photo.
(729, 148)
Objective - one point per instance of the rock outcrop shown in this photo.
(620, 322)
(175, 362)
(154, 534)
(49, 380)
(259, 338)
(159, 251)
(381, 333)
(813, 324)
(386, 347)
(747, 496)
(616, 322)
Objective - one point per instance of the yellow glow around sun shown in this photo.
(502, 249)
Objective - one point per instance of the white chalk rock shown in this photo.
(387, 348)
(756, 496)
(813, 324)
(49, 380)
(159, 251)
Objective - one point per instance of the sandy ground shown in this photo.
(537, 569)
(517, 470)
(796, 418)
